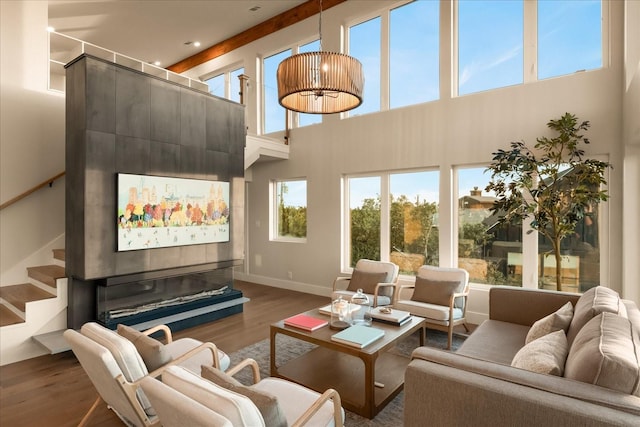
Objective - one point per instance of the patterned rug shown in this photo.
(289, 348)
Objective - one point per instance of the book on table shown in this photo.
(390, 316)
(308, 323)
(358, 336)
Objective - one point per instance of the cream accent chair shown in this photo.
(115, 368)
(445, 306)
(383, 292)
(300, 405)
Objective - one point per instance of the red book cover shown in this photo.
(305, 322)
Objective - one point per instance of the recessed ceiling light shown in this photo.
(156, 63)
(51, 29)
(196, 44)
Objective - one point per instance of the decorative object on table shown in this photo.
(358, 336)
(326, 309)
(551, 185)
(362, 316)
(303, 321)
(341, 314)
(390, 316)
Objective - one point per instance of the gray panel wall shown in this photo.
(122, 121)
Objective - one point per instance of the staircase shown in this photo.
(33, 313)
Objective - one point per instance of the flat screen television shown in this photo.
(159, 212)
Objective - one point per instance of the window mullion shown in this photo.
(385, 217)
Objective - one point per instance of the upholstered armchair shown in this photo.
(115, 365)
(267, 402)
(377, 279)
(439, 295)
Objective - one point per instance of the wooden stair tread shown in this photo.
(8, 317)
(47, 274)
(59, 254)
(19, 295)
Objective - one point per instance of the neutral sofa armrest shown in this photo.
(162, 328)
(525, 306)
(255, 369)
(329, 394)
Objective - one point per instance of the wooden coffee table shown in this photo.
(367, 379)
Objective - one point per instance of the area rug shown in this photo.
(289, 348)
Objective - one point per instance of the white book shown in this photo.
(395, 317)
(358, 336)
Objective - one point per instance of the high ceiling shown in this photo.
(160, 30)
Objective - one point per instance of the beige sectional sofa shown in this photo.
(591, 346)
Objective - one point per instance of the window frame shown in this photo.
(274, 235)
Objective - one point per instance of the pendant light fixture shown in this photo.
(320, 82)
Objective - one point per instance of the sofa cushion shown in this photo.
(556, 321)
(545, 355)
(606, 352)
(151, 350)
(367, 281)
(494, 341)
(593, 302)
(266, 402)
(436, 292)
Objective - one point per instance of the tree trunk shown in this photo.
(558, 265)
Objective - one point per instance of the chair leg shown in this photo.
(86, 417)
(466, 328)
(450, 340)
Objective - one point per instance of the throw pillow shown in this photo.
(433, 291)
(559, 320)
(546, 355)
(151, 350)
(593, 302)
(266, 403)
(366, 281)
(606, 352)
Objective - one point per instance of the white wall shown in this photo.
(631, 129)
(31, 137)
(444, 134)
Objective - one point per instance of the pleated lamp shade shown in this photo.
(320, 82)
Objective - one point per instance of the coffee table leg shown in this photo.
(369, 385)
(272, 352)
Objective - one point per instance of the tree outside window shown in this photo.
(290, 209)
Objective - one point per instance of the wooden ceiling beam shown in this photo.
(285, 19)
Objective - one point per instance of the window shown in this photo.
(414, 65)
(397, 212)
(216, 85)
(569, 37)
(234, 83)
(490, 44)
(274, 113)
(413, 222)
(364, 44)
(491, 253)
(290, 210)
(226, 84)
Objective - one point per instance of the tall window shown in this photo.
(491, 253)
(274, 113)
(394, 217)
(413, 222)
(414, 47)
(216, 85)
(490, 44)
(364, 44)
(569, 37)
(226, 84)
(290, 209)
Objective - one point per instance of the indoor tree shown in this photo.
(552, 184)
